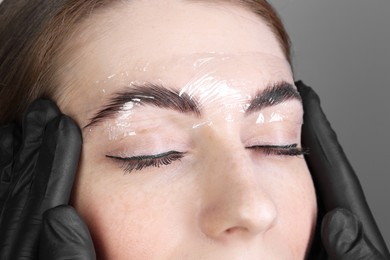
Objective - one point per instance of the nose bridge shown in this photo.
(233, 197)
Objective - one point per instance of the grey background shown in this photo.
(342, 49)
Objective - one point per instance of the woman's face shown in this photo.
(191, 126)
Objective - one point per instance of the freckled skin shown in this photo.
(221, 200)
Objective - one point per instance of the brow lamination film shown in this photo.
(194, 84)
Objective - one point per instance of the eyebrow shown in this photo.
(157, 95)
(273, 95)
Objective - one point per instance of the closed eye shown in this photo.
(281, 150)
(137, 163)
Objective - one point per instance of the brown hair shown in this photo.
(32, 34)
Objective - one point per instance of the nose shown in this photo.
(234, 201)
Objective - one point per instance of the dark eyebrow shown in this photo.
(157, 95)
(272, 95)
(147, 94)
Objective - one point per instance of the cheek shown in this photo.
(114, 208)
(294, 195)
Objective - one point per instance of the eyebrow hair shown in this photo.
(272, 95)
(147, 94)
(159, 96)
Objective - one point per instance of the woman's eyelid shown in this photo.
(292, 145)
(278, 140)
(277, 133)
(146, 156)
(130, 165)
(151, 145)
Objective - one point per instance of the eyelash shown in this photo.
(281, 150)
(138, 163)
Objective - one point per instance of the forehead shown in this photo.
(196, 74)
(154, 30)
(179, 43)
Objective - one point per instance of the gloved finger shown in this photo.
(6, 150)
(34, 123)
(334, 178)
(53, 179)
(65, 236)
(344, 239)
(57, 163)
(9, 143)
(38, 115)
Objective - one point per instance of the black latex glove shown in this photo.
(348, 231)
(37, 169)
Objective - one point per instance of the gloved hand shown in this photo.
(37, 169)
(348, 231)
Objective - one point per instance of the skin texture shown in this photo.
(221, 200)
